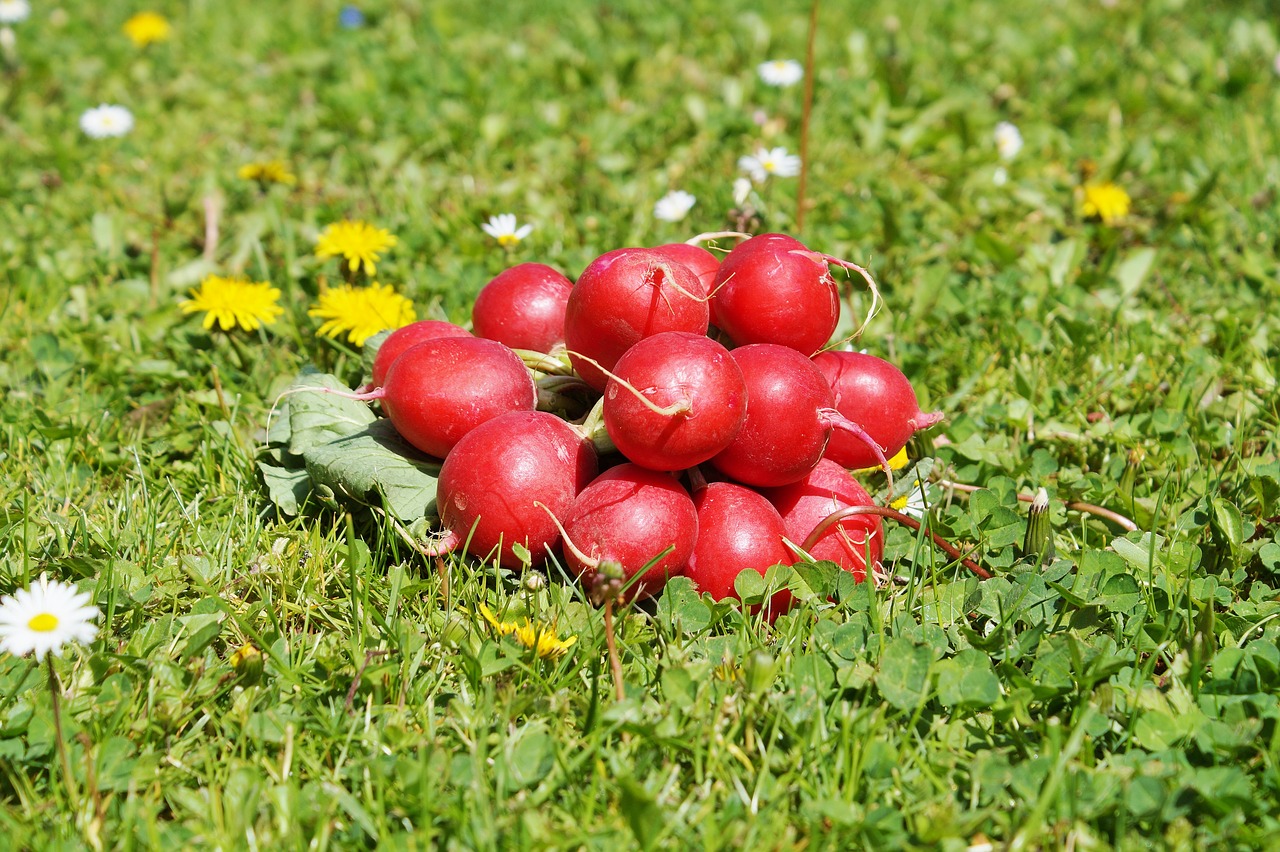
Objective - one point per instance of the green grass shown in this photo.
(1122, 693)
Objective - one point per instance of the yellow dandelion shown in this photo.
(357, 242)
(272, 171)
(539, 638)
(232, 302)
(897, 462)
(501, 628)
(147, 28)
(362, 312)
(1104, 201)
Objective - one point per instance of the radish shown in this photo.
(623, 296)
(440, 390)
(674, 400)
(738, 529)
(790, 417)
(805, 504)
(410, 335)
(495, 480)
(876, 395)
(523, 307)
(703, 263)
(630, 515)
(772, 289)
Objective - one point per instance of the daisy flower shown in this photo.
(1104, 201)
(232, 302)
(673, 206)
(1008, 140)
(1000, 176)
(780, 72)
(770, 161)
(14, 11)
(44, 618)
(361, 312)
(272, 171)
(741, 191)
(106, 120)
(914, 503)
(146, 28)
(357, 242)
(503, 229)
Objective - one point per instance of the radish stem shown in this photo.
(893, 514)
(834, 419)
(568, 542)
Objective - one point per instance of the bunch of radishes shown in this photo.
(772, 425)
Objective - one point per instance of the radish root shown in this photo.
(675, 409)
(893, 514)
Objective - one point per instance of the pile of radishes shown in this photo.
(710, 435)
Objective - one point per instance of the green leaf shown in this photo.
(682, 607)
(1228, 523)
(644, 815)
(903, 678)
(530, 755)
(286, 487)
(968, 679)
(376, 462)
(1133, 270)
(369, 352)
(749, 584)
(317, 418)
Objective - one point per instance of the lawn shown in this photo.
(1089, 297)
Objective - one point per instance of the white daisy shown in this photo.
(14, 11)
(44, 618)
(781, 72)
(503, 229)
(1008, 140)
(770, 161)
(741, 191)
(106, 120)
(913, 504)
(673, 206)
(1000, 176)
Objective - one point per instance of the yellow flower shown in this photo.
(541, 639)
(898, 462)
(234, 302)
(1104, 201)
(361, 311)
(146, 28)
(357, 242)
(273, 171)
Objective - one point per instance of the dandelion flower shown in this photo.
(673, 206)
(44, 618)
(362, 312)
(897, 462)
(146, 28)
(355, 241)
(14, 11)
(1104, 201)
(766, 162)
(539, 638)
(503, 229)
(781, 72)
(913, 504)
(106, 120)
(232, 302)
(272, 171)
(1008, 140)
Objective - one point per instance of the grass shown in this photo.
(1120, 693)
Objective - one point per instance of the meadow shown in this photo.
(1091, 303)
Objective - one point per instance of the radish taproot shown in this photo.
(738, 530)
(410, 335)
(674, 400)
(623, 296)
(805, 504)
(495, 480)
(630, 515)
(523, 307)
(876, 395)
(438, 391)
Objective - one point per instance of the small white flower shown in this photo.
(8, 43)
(503, 229)
(44, 618)
(673, 206)
(781, 72)
(770, 161)
(1000, 176)
(741, 191)
(106, 120)
(14, 11)
(914, 504)
(1008, 140)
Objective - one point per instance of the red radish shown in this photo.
(805, 504)
(877, 396)
(687, 401)
(410, 335)
(523, 307)
(623, 296)
(440, 390)
(703, 263)
(738, 529)
(772, 289)
(629, 515)
(492, 482)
